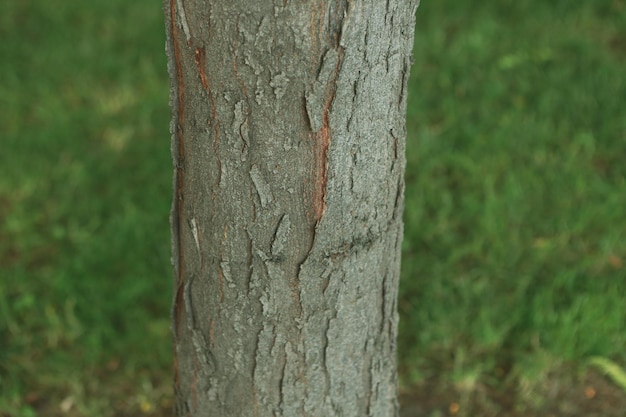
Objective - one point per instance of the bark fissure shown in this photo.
(322, 95)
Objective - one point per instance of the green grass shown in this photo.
(515, 246)
(84, 200)
(515, 243)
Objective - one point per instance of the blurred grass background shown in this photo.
(514, 261)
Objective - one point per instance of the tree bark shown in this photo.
(288, 141)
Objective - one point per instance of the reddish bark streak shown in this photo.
(200, 58)
(178, 302)
(322, 140)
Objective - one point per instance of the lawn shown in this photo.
(513, 293)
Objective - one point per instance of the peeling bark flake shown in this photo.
(280, 239)
(194, 232)
(263, 189)
(316, 96)
(183, 20)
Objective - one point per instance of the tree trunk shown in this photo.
(288, 140)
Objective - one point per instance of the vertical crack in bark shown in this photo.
(319, 97)
(327, 392)
(200, 57)
(177, 206)
(223, 268)
(204, 363)
(336, 14)
(321, 142)
(283, 377)
(318, 105)
(250, 264)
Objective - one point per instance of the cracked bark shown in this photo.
(288, 138)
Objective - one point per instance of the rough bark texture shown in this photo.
(288, 138)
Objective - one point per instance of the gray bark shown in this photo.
(288, 140)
